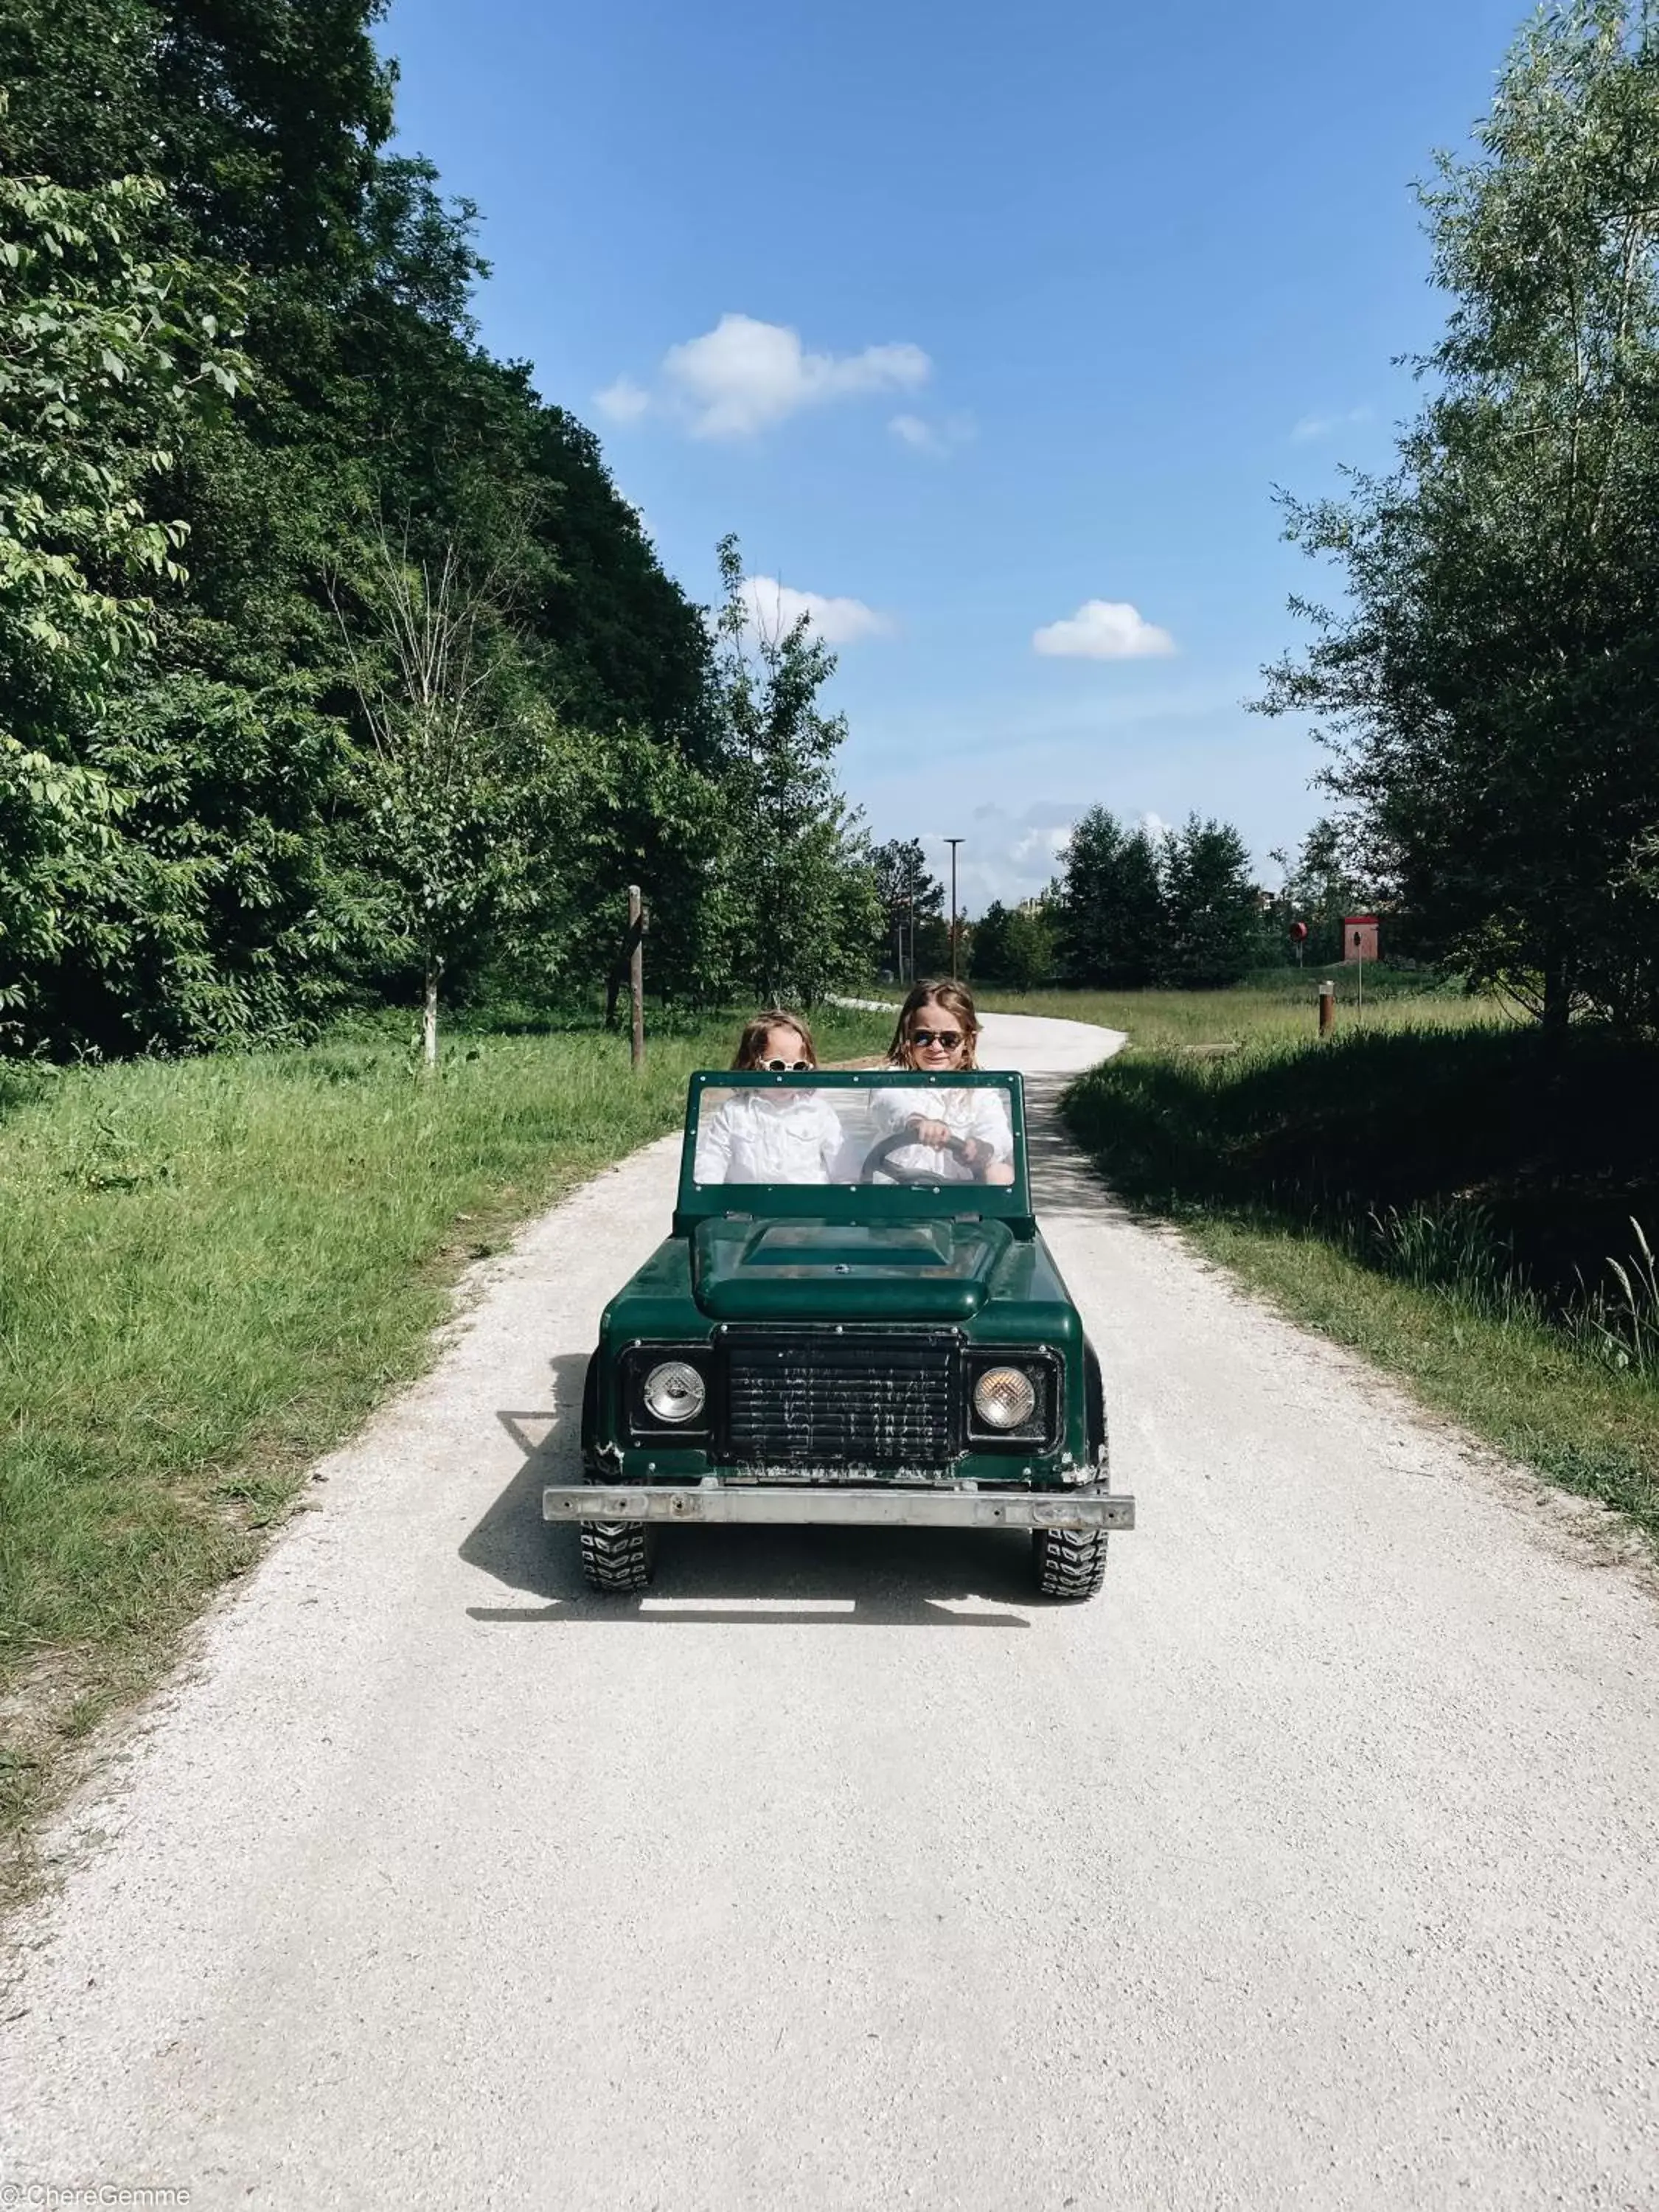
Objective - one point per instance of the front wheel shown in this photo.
(1068, 1563)
(617, 1556)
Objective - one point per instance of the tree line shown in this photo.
(1131, 907)
(333, 667)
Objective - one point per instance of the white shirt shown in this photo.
(981, 1111)
(769, 1136)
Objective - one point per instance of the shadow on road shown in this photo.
(756, 1577)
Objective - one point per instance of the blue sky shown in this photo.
(994, 326)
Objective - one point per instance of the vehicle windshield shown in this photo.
(890, 1130)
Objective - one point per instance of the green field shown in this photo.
(210, 1269)
(1281, 1005)
(1435, 1185)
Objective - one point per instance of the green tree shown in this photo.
(797, 888)
(1487, 683)
(911, 898)
(448, 769)
(1087, 894)
(105, 358)
(1014, 946)
(1141, 924)
(1212, 907)
(1110, 924)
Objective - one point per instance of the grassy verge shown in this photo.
(1434, 1187)
(209, 1270)
(1280, 1005)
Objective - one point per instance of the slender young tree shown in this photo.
(798, 892)
(911, 897)
(443, 786)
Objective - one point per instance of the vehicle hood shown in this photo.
(919, 1271)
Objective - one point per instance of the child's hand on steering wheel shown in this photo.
(934, 1133)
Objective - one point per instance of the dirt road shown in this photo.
(1314, 1864)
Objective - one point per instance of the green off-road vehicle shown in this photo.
(874, 1333)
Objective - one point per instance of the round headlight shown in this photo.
(674, 1392)
(1004, 1398)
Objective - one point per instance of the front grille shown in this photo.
(829, 1400)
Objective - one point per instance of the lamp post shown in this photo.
(953, 842)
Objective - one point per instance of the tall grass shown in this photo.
(210, 1269)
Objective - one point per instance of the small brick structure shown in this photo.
(1359, 936)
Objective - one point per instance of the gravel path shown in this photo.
(1313, 1864)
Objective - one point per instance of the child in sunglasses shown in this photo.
(961, 1136)
(772, 1135)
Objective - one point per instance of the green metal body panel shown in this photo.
(967, 1257)
(903, 1271)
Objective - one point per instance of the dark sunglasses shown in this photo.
(949, 1038)
(784, 1066)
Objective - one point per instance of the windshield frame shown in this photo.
(854, 1201)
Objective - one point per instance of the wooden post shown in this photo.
(1327, 1008)
(636, 970)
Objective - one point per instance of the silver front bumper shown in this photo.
(838, 1505)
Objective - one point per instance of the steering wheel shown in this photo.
(879, 1159)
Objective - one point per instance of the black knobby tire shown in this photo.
(1068, 1563)
(617, 1556)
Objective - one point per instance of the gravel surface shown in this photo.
(1313, 1864)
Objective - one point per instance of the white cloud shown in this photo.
(775, 608)
(1313, 427)
(744, 374)
(1041, 847)
(1103, 629)
(624, 401)
(936, 438)
(1004, 855)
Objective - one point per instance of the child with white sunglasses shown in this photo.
(772, 1135)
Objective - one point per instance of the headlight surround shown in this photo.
(673, 1392)
(1004, 1399)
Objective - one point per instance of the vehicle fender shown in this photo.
(1094, 1404)
(590, 1411)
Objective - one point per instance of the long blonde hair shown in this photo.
(958, 1001)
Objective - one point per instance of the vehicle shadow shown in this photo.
(754, 1576)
